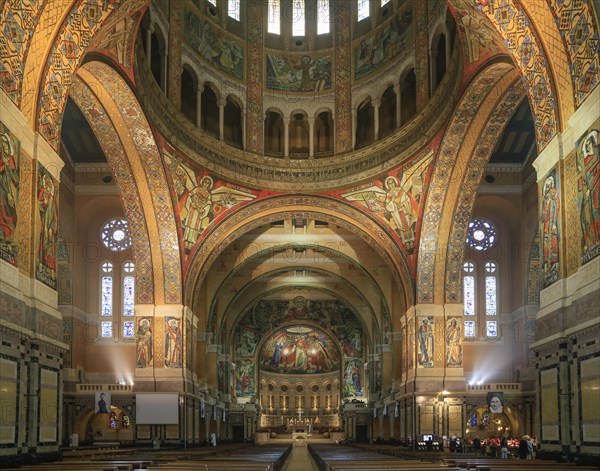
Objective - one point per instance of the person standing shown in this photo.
(504, 448)
(523, 448)
(529, 448)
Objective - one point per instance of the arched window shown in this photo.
(469, 288)
(189, 97)
(323, 16)
(233, 9)
(323, 134)
(440, 60)
(128, 299)
(274, 17)
(106, 299)
(232, 122)
(298, 135)
(116, 284)
(274, 129)
(480, 281)
(490, 289)
(298, 18)
(210, 112)
(365, 124)
(387, 112)
(362, 8)
(408, 97)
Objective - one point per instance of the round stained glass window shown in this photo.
(115, 235)
(481, 234)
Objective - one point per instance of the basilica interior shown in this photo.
(352, 219)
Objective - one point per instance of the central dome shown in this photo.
(299, 350)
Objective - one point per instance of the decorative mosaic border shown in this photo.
(486, 143)
(523, 42)
(432, 243)
(82, 23)
(107, 136)
(141, 134)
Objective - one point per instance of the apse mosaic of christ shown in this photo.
(299, 350)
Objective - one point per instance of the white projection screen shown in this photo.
(157, 408)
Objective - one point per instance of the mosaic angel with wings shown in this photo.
(199, 201)
(397, 200)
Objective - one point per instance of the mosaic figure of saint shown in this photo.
(143, 337)
(588, 163)
(425, 337)
(173, 343)
(453, 343)
(46, 200)
(550, 236)
(9, 189)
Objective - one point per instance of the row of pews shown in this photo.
(222, 458)
(495, 464)
(345, 458)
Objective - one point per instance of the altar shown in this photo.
(299, 426)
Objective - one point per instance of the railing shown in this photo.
(111, 388)
(494, 387)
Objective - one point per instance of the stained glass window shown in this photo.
(469, 328)
(490, 296)
(115, 235)
(128, 329)
(473, 421)
(106, 328)
(491, 328)
(107, 296)
(481, 234)
(274, 17)
(233, 9)
(128, 289)
(298, 18)
(469, 289)
(322, 16)
(363, 9)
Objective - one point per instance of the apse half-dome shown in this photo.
(299, 350)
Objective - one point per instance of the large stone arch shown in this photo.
(450, 170)
(523, 43)
(129, 133)
(281, 207)
(116, 155)
(51, 53)
(478, 156)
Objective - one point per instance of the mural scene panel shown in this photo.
(47, 202)
(550, 232)
(214, 46)
(588, 192)
(9, 194)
